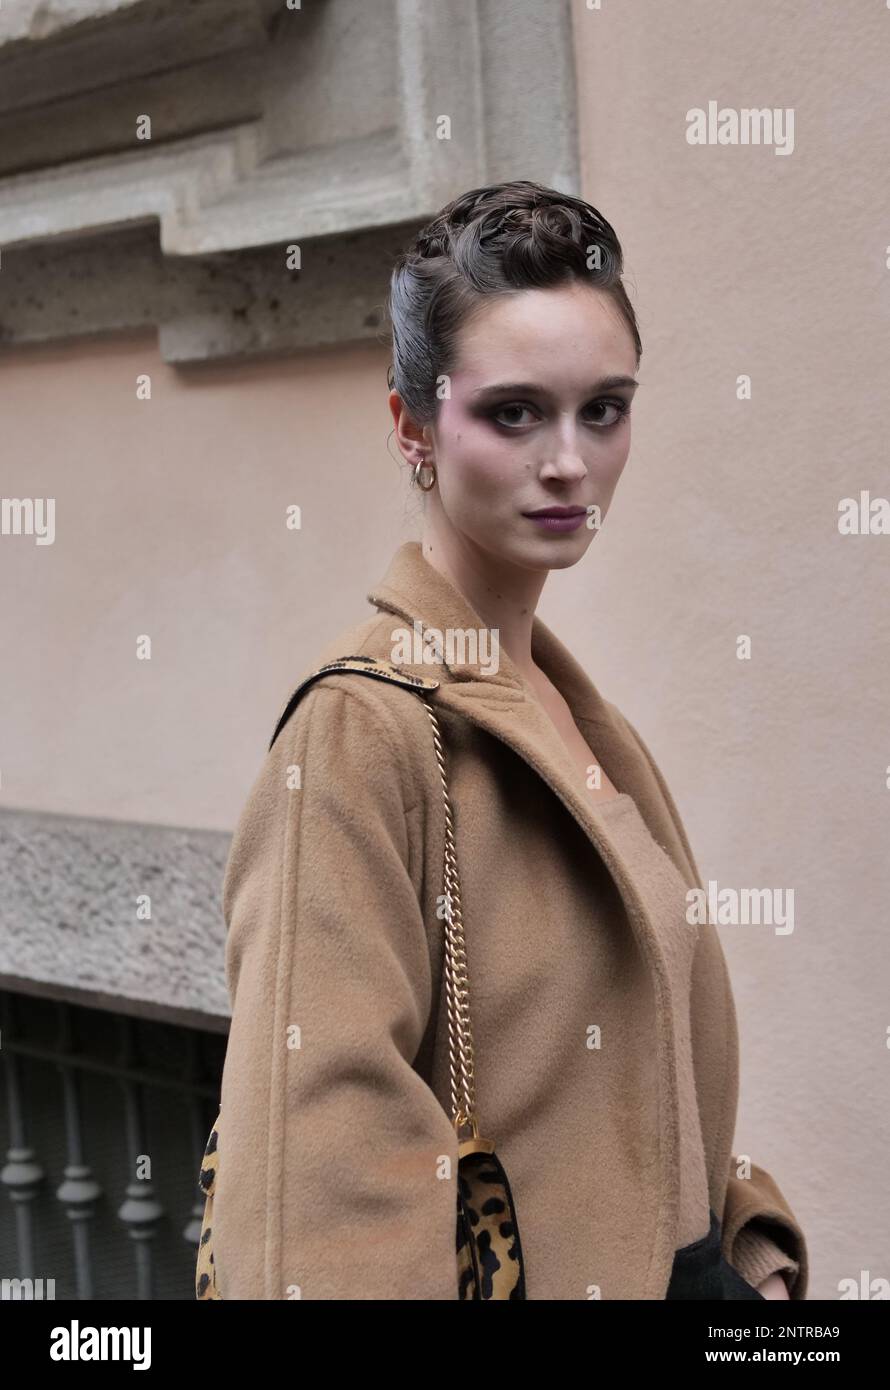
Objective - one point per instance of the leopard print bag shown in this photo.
(489, 1254)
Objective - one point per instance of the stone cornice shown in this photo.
(270, 129)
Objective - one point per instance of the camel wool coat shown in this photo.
(337, 1153)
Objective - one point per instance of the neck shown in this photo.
(505, 596)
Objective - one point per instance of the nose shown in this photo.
(566, 466)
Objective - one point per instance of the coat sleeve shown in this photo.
(337, 1162)
(760, 1233)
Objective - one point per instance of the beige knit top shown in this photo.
(664, 896)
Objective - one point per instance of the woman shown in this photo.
(604, 1027)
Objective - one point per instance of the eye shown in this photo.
(616, 404)
(502, 410)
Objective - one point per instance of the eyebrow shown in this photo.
(605, 383)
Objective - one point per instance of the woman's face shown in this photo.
(537, 417)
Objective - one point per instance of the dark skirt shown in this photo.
(700, 1270)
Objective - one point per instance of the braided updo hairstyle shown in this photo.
(489, 242)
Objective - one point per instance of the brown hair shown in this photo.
(490, 241)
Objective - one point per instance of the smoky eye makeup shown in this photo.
(493, 411)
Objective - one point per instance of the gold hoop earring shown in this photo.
(418, 469)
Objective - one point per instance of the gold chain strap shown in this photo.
(457, 985)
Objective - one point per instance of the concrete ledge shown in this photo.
(68, 901)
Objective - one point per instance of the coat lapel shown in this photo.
(504, 705)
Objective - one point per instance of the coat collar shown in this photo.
(416, 591)
(505, 705)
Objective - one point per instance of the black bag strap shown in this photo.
(376, 666)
